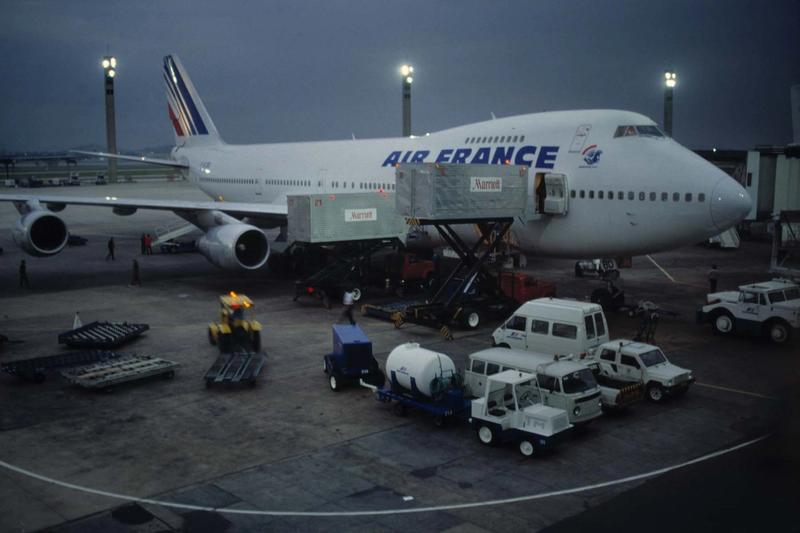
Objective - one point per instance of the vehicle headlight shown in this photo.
(576, 411)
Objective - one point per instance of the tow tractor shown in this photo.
(234, 331)
(510, 410)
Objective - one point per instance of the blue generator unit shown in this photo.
(351, 359)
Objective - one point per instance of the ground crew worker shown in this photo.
(347, 301)
(23, 275)
(110, 254)
(135, 277)
(148, 244)
(713, 277)
(143, 243)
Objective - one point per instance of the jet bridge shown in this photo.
(445, 196)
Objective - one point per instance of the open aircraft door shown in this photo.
(556, 200)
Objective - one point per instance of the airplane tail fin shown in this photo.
(188, 115)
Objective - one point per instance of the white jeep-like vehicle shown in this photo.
(633, 361)
(770, 308)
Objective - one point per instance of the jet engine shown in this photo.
(40, 233)
(235, 247)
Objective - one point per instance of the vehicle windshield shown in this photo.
(579, 381)
(527, 394)
(792, 294)
(653, 357)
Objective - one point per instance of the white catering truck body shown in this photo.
(567, 385)
(554, 326)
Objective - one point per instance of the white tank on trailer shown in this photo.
(432, 371)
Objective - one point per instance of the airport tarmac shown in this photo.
(290, 454)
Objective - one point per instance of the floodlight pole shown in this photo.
(406, 71)
(670, 80)
(109, 72)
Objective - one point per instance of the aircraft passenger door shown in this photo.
(322, 181)
(556, 194)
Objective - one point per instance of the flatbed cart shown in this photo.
(37, 368)
(108, 374)
(235, 367)
(447, 406)
(348, 270)
(99, 335)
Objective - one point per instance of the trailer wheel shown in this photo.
(779, 332)
(400, 409)
(333, 381)
(357, 294)
(722, 323)
(486, 435)
(655, 393)
(526, 448)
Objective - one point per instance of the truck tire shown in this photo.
(472, 319)
(722, 323)
(655, 393)
(779, 332)
(334, 383)
(526, 448)
(358, 293)
(486, 434)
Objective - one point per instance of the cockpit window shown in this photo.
(651, 131)
(643, 131)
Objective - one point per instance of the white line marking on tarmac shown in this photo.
(737, 391)
(435, 508)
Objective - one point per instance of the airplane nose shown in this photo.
(730, 203)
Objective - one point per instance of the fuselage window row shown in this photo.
(652, 196)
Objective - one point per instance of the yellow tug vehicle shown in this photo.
(234, 332)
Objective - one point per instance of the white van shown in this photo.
(554, 326)
(567, 385)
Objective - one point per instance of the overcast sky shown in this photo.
(310, 70)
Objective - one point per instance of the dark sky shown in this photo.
(298, 71)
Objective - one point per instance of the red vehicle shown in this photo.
(409, 271)
(521, 287)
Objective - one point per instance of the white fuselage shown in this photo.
(670, 197)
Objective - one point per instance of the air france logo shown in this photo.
(543, 157)
(591, 154)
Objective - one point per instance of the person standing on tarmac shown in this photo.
(135, 279)
(347, 301)
(111, 246)
(143, 243)
(23, 275)
(713, 277)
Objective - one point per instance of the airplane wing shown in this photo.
(272, 212)
(142, 159)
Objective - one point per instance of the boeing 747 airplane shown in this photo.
(628, 189)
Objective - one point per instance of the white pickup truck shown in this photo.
(639, 362)
(770, 308)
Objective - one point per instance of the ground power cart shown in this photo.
(351, 359)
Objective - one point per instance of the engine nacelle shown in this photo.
(40, 233)
(235, 247)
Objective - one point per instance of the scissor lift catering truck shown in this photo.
(234, 331)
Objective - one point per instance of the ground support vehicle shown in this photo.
(37, 368)
(448, 405)
(470, 291)
(351, 359)
(509, 411)
(553, 326)
(174, 246)
(235, 367)
(566, 382)
(347, 270)
(100, 180)
(635, 362)
(770, 308)
(605, 269)
(234, 332)
(522, 287)
(407, 271)
(610, 297)
(102, 335)
(112, 372)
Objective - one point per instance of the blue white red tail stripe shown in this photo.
(182, 105)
